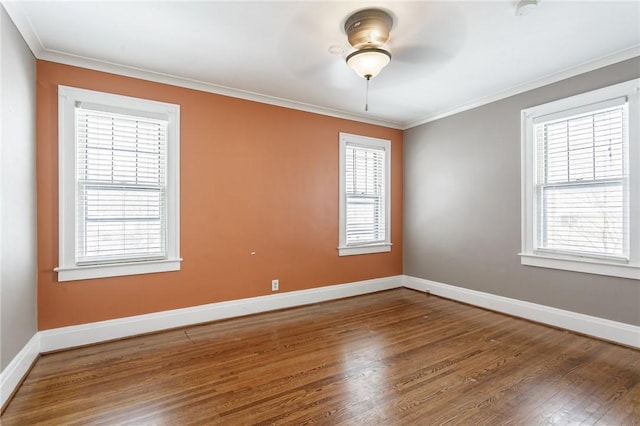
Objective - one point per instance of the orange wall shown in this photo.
(254, 178)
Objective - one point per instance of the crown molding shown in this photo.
(157, 77)
(585, 67)
(25, 27)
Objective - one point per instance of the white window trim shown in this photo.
(67, 99)
(532, 257)
(343, 248)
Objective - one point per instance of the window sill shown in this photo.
(587, 266)
(75, 273)
(364, 249)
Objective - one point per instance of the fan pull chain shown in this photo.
(366, 95)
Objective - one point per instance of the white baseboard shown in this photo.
(17, 369)
(84, 334)
(613, 331)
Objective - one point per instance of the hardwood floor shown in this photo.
(395, 357)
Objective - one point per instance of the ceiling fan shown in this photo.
(415, 39)
(419, 36)
(368, 31)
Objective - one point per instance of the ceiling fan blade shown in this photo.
(428, 33)
(421, 54)
(332, 72)
(305, 51)
(425, 37)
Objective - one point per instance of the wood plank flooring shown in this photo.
(397, 357)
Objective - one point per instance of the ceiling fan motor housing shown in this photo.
(368, 28)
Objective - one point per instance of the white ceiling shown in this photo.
(447, 56)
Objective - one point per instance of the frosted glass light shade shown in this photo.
(368, 63)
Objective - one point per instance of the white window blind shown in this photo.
(121, 187)
(582, 178)
(365, 194)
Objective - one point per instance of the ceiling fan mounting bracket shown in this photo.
(368, 28)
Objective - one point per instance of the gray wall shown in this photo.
(17, 192)
(462, 207)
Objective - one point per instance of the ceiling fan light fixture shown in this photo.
(368, 63)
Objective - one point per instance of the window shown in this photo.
(581, 177)
(119, 185)
(365, 195)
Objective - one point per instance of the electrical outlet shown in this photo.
(275, 285)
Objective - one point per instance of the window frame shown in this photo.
(531, 255)
(345, 249)
(68, 98)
